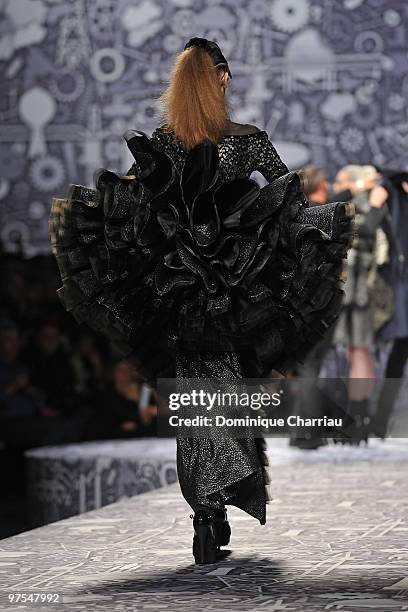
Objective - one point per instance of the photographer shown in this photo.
(389, 209)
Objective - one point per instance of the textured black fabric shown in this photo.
(193, 255)
(193, 270)
(220, 469)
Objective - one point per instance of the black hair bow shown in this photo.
(212, 49)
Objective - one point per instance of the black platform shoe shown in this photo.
(358, 425)
(205, 547)
(222, 529)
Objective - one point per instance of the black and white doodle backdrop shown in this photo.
(327, 79)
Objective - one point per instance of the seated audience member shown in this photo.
(117, 413)
(51, 370)
(17, 397)
(89, 362)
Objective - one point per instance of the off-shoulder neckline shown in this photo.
(242, 135)
(259, 132)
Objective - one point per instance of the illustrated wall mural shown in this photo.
(327, 79)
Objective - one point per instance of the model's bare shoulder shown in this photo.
(251, 129)
(241, 129)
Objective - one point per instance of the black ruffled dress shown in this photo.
(194, 271)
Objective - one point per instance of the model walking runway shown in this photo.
(190, 267)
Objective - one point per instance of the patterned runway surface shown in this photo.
(335, 539)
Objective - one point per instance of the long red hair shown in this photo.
(194, 106)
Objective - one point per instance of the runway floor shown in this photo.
(335, 539)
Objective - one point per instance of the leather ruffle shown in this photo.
(167, 261)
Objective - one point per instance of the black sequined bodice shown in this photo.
(239, 154)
